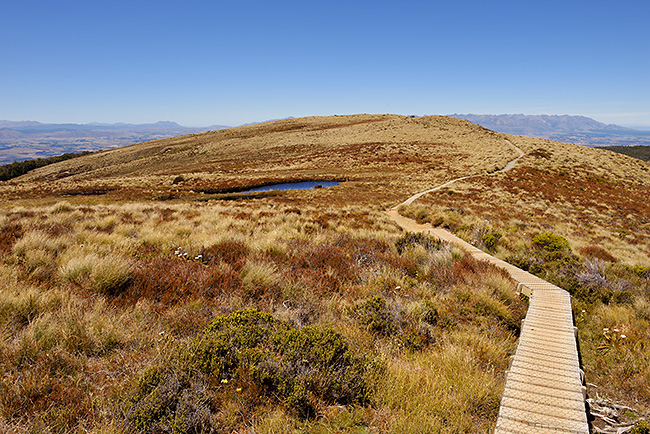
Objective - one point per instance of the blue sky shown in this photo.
(207, 62)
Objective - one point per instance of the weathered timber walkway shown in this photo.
(544, 387)
(544, 391)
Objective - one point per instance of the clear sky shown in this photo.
(207, 62)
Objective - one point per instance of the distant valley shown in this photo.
(26, 140)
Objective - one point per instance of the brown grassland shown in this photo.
(140, 291)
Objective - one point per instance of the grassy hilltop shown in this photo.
(140, 291)
(385, 157)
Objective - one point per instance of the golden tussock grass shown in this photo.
(112, 262)
(117, 299)
(381, 156)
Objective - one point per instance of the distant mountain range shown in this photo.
(562, 128)
(28, 139)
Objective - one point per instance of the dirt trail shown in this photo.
(411, 199)
(411, 225)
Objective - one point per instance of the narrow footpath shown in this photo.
(544, 390)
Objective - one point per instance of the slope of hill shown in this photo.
(640, 152)
(379, 153)
(571, 129)
(123, 313)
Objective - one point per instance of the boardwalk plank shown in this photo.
(543, 391)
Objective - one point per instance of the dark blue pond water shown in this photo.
(304, 185)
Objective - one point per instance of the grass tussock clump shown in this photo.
(110, 275)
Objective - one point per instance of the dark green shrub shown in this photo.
(19, 168)
(420, 329)
(642, 272)
(421, 216)
(305, 368)
(643, 427)
(436, 220)
(551, 243)
(521, 260)
(414, 337)
(169, 401)
(376, 316)
(491, 239)
(555, 265)
(429, 312)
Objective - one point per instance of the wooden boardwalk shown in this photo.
(544, 390)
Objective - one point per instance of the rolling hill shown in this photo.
(382, 158)
(384, 150)
(142, 291)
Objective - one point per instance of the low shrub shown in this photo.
(170, 280)
(374, 314)
(428, 312)
(491, 239)
(642, 427)
(170, 401)
(551, 243)
(9, 234)
(304, 368)
(521, 260)
(411, 239)
(233, 253)
(598, 253)
(322, 267)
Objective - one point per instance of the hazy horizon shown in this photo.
(220, 124)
